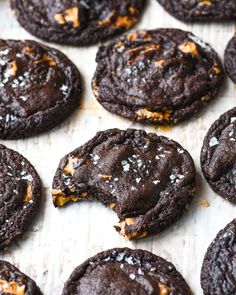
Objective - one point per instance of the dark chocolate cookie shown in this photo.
(218, 275)
(39, 88)
(161, 76)
(123, 271)
(218, 156)
(13, 281)
(148, 180)
(77, 22)
(20, 192)
(201, 10)
(230, 59)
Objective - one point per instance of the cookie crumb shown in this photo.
(204, 203)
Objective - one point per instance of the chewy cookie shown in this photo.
(218, 275)
(39, 88)
(13, 281)
(161, 76)
(148, 180)
(20, 192)
(77, 22)
(218, 156)
(201, 10)
(125, 271)
(230, 59)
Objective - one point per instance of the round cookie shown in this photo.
(230, 59)
(161, 76)
(124, 271)
(20, 192)
(218, 275)
(218, 156)
(200, 10)
(13, 281)
(76, 22)
(148, 180)
(39, 88)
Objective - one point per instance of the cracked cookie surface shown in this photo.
(148, 180)
(39, 88)
(124, 271)
(13, 281)
(218, 275)
(230, 59)
(218, 156)
(160, 76)
(77, 22)
(20, 195)
(201, 10)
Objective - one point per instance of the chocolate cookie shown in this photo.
(77, 22)
(124, 271)
(20, 192)
(39, 88)
(161, 76)
(200, 10)
(230, 59)
(148, 180)
(218, 156)
(13, 281)
(218, 276)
